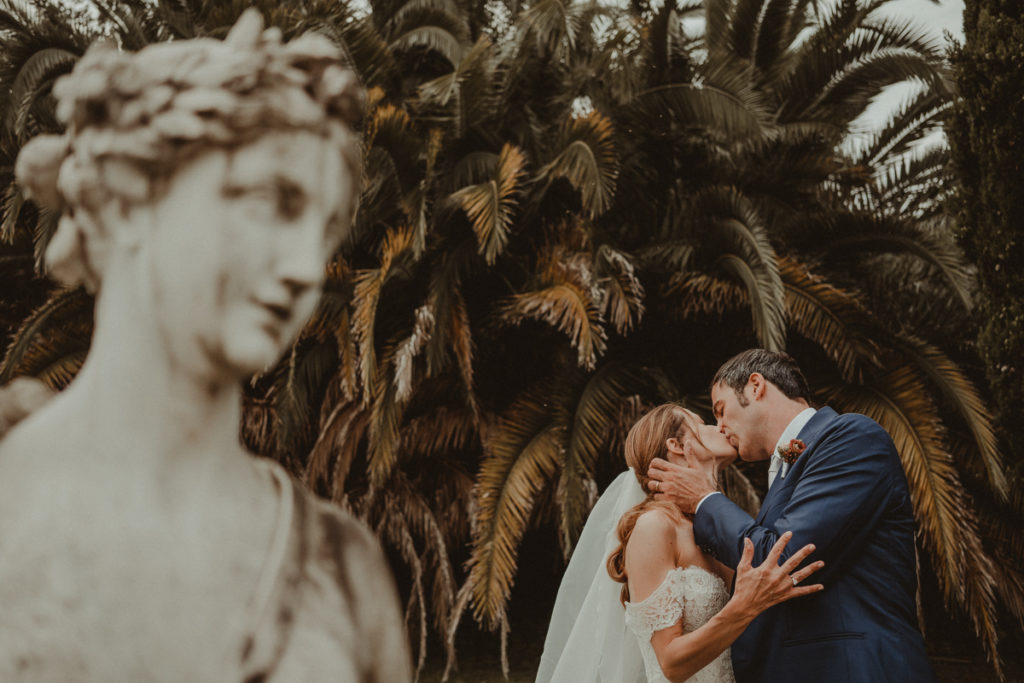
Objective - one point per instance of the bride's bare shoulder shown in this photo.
(656, 534)
(655, 522)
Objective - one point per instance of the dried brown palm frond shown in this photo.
(522, 453)
(366, 299)
(567, 298)
(699, 293)
(490, 204)
(338, 440)
(623, 291)
(405, 517)
(587, 159)
(387, 410)
(51, 343)
(441, 430)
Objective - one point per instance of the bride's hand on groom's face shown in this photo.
(683, 486)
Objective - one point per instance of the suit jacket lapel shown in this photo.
(809, 435)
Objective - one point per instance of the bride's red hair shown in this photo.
(645, 442)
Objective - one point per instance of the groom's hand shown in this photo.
(683, 486)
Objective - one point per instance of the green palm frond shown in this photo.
(473, 168)
(745, 253)
(674, 255)
(770, 333)
(773, 40)
(876, 234)
(521, 455)
(13, 202)
(433, 37)
(433, 28)
(623, 292)
(831, 318)
(490, 205)
(551, 23)
(959, 392)
(916, 184)
(898, 32)
(369, 51)
(689, 107)
(467, 92)
(596, 415)
(744, 22)
(836, 71)
(587, 160)
(34, 79)
(918, 116)
(851, 92)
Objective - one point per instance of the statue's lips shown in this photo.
(279, 312)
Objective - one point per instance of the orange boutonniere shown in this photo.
(791, 452)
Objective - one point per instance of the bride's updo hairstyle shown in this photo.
(133, 119)
(645, 442)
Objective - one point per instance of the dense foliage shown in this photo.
(987, 136)
(570, 213)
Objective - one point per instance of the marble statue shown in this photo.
(203, 186)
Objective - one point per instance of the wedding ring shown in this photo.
(795, 582)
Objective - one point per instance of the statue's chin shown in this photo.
(241, 355)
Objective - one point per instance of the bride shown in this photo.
(639, 600)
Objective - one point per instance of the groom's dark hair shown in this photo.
(777, 367)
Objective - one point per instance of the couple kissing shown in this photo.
(672, 581)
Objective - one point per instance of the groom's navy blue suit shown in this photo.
(847, 493)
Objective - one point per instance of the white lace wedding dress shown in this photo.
(692, 594)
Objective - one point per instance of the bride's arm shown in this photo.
(681, 655)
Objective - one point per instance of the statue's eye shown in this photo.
(291, 200)
(279, 200)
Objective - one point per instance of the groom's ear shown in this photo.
(757, 385)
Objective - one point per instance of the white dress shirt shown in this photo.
(791, 431)
(778, 467)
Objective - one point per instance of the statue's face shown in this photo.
(238, 248)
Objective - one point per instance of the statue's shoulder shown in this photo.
(336, 580)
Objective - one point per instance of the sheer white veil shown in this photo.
(587, 640)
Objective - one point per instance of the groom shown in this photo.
(839, 486)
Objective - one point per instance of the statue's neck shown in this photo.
(140, 401)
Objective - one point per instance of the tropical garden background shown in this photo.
(573, 211)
